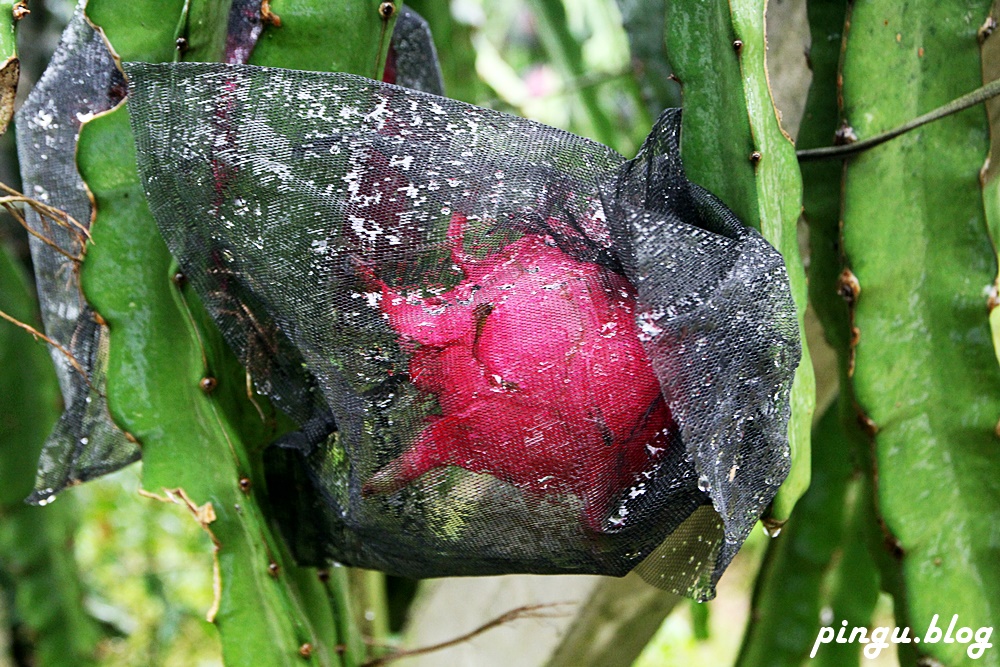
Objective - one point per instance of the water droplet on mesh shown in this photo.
(703, 484)
(826, 616)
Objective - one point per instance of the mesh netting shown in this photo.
(81, 80)
(510, 349)
(243, 29)
(412, 60)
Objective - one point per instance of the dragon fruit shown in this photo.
(535, 361)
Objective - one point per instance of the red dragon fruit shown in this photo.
(535, 361)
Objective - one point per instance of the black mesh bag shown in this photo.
(81, 80)
(508, 348)
(412, 61)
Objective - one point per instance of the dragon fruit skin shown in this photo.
(542, 381)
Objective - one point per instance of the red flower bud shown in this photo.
(535, 360)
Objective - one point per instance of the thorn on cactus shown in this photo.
(387, 10)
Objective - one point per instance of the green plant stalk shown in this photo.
(832, 294)
(36, 550)
(205, 30)
(644, 23)
(453, 41)
(822, 186)
(158, 357)
(716, 137)
(327, 37)
(700, 616)
(8, 33)
(779, 188)
(203, 448)
(35, 542)
(988, 174)
(132, 31)
(925, 375)
(30, 400)
(852, 586)
(368, 595)
(985, 92)
(613, 626)
(10, 65)
(567, 56)
(733, 145)
(789, 592)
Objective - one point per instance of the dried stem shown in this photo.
(47, 213)
(38, 334)
(977, 96)
(527, 611)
